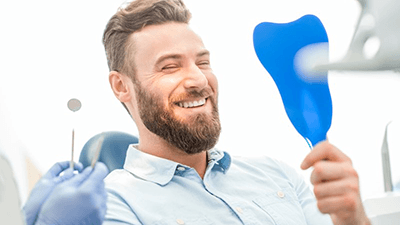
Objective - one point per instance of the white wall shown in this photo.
(51, 52)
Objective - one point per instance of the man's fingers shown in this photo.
(344, 208)
(335, 183)
(338, 204)
(335, 188)
(323, 151)
(328, 171)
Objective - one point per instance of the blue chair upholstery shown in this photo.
(113, 149)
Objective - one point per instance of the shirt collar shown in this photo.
(219, 159)
(160, 170)
(149, 167)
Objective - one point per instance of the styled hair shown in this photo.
(135, 16)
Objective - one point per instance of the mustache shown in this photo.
(205, 93)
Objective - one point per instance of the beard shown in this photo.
(199, 133)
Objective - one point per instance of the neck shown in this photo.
(154, 145)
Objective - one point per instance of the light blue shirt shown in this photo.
(239, 190)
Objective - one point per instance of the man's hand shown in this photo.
(336, 185)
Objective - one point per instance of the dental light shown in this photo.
(376, 41)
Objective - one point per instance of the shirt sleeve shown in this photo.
(118, 211)
(306, 197)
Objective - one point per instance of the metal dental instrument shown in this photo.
(71, 164)
(387, 172)
(97, 152)
(73, 105)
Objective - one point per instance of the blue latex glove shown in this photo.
(44, 187)
(80, 200)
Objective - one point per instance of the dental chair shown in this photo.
(385, 208)
(112, 150)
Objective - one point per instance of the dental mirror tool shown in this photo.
(73, 105)
(98, 150)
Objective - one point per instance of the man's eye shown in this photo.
(204, 64)
(170, 67)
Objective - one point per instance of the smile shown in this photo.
(191, 104)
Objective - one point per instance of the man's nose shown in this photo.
(195, 78)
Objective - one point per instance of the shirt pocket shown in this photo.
(282, 206)
(186, 220)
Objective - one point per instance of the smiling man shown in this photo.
(160, 71)
(176, 89)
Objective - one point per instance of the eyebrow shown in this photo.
(203, 53)
(178, 56)
(167, 56)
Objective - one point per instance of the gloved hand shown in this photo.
(44, 187)
(80, 200)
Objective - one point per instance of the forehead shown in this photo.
(154, 41)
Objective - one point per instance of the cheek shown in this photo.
(166, 86)
(213, 82)
(163, 89)
(170, 82)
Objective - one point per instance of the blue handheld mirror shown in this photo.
(307, 102)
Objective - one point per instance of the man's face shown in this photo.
(176, 90)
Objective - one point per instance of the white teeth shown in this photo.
(192, 104)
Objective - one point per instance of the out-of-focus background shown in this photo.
(51, 51)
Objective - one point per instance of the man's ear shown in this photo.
(121, 85)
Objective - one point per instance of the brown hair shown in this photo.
(134, 17)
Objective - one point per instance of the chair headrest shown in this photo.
(113, 149)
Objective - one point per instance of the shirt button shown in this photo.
(181, 168)
(280, 194)
(180, 222)
(239, 210)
